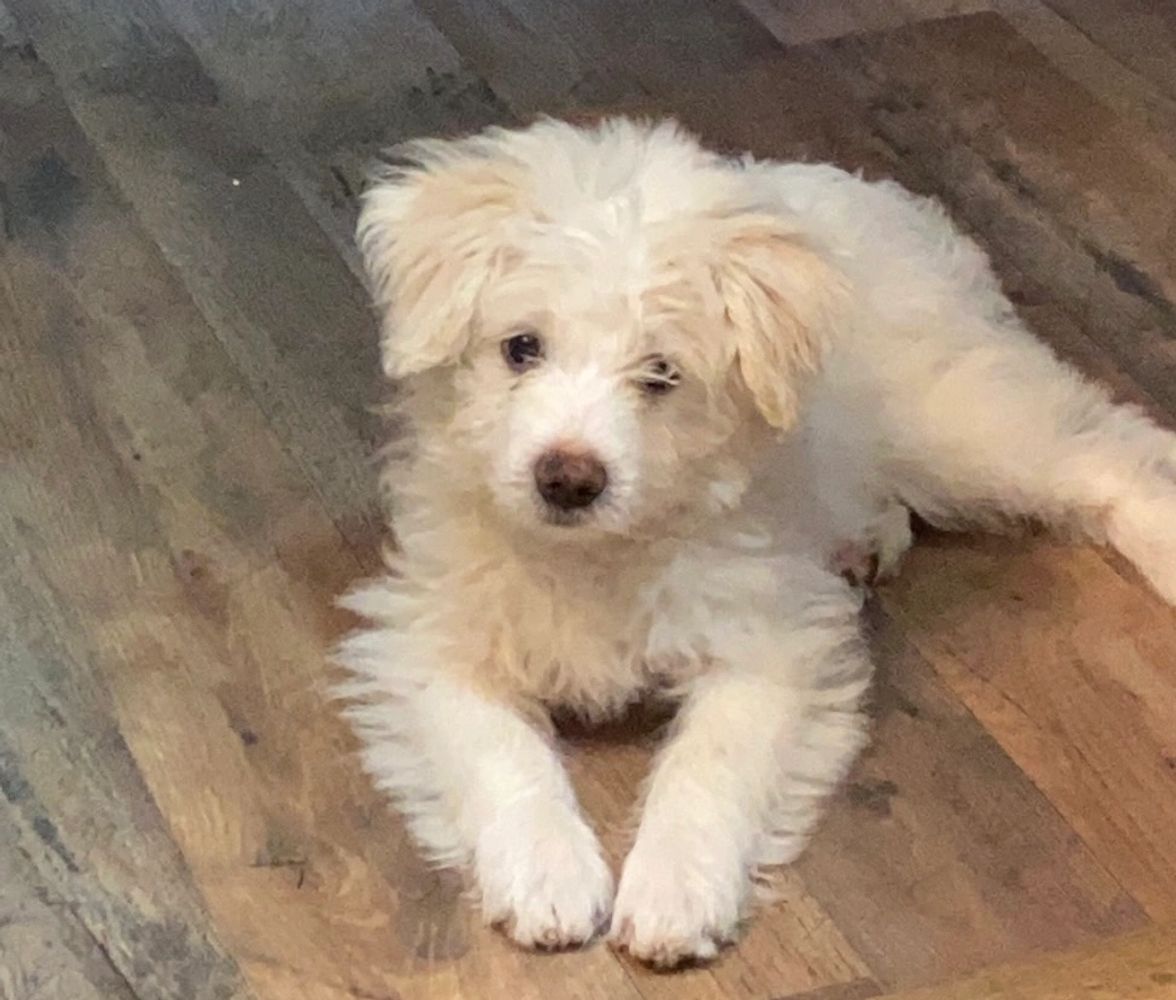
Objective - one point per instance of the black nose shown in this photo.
(569, 480)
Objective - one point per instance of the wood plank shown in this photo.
(1141, 34)
(1068, 665)
(322, 87)
(932, 93)
(1079, 56)
(797, 22)
(1099, 176)
(290, 314)
(46, 952)
(81, 810)
(934, 102)
(557, 77)
(1140, 966)
(941, 857)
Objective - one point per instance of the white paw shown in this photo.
(877, 555)
(856, 562)
(542, 879)
(892, 536)
(676, 906)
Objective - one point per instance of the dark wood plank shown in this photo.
(796, 22)
(950, 98)
(1079, 56)
(859, 989)
(286, 308)
(323, 87)
(557, 77)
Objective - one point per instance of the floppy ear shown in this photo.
(780, 298)
(432, 229)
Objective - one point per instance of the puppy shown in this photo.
(656, 400)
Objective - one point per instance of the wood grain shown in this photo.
(48, 952)
(1141, 34)
(957, 858)
(81, 811)
(1140, 966)
(1069, 666)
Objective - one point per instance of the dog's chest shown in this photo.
(580, 642)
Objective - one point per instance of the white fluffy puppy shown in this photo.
(652, 393)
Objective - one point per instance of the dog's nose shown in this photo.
(569, 480)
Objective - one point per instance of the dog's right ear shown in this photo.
(432, 229)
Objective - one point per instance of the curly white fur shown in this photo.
(845, 354)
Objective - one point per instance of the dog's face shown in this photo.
(611, 324)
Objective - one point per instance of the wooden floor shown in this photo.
(187, 362)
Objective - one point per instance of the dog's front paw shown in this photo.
(673, 909)
(543, 880)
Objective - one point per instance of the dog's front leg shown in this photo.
(481, 785)
(760, 740)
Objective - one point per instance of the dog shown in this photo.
(659, 403)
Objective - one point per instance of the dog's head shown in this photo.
(606, 316)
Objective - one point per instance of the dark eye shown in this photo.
(658, 376)
(522, 351)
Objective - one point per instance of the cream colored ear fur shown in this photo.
(781, 299)
(432, 233)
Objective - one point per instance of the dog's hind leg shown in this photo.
(996, 427)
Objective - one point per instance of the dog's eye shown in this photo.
(522, 351)
(658, 377)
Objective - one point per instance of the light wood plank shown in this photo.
(1069, 666)
(1136, 967)
(940, 857)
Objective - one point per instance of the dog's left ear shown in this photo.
(433, 230)
(780, 297)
